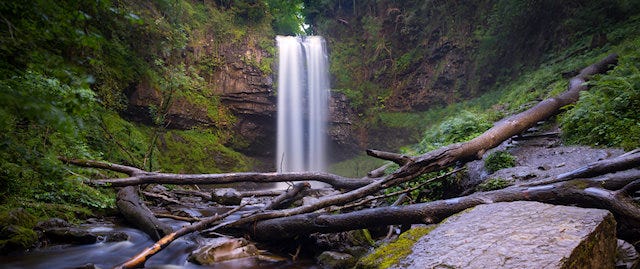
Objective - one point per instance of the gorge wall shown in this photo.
(386, 57)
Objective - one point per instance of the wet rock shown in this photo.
(70, 235)
(343, 143)
(222, 249)
(15, 237)
(87, 266)
(16, 231)
(52, 223)
(626, 256)
(332, 259)
(59, 231)
(226, 196)
(390, 253)
(115, 236)
(518, 235)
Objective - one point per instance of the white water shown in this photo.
(303, 90)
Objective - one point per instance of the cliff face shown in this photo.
(409, 56)
(245, 94)
(234, 95)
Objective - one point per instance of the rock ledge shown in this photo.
(519, 235)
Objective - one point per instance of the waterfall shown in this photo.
(303, 90)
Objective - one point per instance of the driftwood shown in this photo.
(581, 192)
(139, 260)
(288, 197)
(271, 222)
(139, 177)
(138, 214)
(282, 200)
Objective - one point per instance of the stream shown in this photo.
(108, 254)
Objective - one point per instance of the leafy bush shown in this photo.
(607, 115)
(44, 118)
(463, 127)
(499, 160)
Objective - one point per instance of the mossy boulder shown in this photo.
(16, 230)
(389, 254)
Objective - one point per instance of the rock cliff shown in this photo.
(246, 93)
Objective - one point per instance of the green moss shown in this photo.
(197, 151)
(499, 160)
(388, 255)
(494, 184)
(16, 229)
(15, 237)
(361, 237)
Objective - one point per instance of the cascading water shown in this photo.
(303, 90)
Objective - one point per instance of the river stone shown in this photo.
(226, 196)
(519, 235)
(336, 260)
(221, 249)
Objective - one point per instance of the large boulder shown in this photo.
(518, 235)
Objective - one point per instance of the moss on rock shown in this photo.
(16, 230)
(389, 254)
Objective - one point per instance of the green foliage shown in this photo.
(287, 16)
(118, 140)
(198, 151)
(499, 160)
(64, 69)
(607, 115)
(356, 98)
(494, 184)
(542, 25)
(407, 60)
(463, 127)
(249, 11)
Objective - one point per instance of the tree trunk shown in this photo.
(580, 192)
(139, 215)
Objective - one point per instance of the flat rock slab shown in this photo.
(519, 235)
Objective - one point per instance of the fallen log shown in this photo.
(138, 214)
(580, 192)
(142, 257)
(623, 162)
(139, 260)
(288, 197)
(138, 177)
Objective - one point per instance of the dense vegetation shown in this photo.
(67, 67)
(387, 54)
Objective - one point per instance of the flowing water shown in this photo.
(303, 90)
(109, 254)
